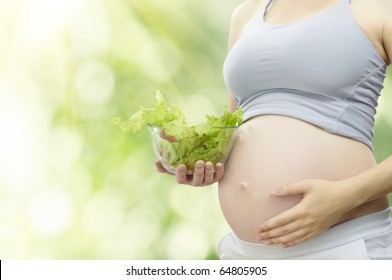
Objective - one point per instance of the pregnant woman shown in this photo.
(301, 181)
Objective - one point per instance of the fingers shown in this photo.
(204, 174)
(291, 239)
(219, 172)
(282, 219)
(208, 173)
(288, 230)
(300, 187)
(282, 229)
(198, 173)
(181, 176)
(284, 235)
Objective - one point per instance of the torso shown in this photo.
(366, 12)
(273, 150)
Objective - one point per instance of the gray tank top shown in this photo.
(321, 69)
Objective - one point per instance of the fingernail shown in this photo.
(277, 190)
(181, 168)
(268, 242)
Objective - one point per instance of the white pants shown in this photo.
(364, 238)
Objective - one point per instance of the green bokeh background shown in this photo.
(72, 187)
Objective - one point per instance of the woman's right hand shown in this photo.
(204, 174)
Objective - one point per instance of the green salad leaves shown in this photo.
(177, 142)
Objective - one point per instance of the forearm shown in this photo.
(373, 183)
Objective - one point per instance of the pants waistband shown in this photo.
(338, 235)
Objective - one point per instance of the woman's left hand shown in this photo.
(323, 204)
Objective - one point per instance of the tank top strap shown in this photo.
(267, 7)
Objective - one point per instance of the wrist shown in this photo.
(370, 184)
(355, 191)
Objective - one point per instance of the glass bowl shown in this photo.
(212, 144)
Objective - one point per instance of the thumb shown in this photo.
(290, 189)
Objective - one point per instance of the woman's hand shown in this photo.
(204, 174)
(323, 204)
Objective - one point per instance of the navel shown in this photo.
(243, 186)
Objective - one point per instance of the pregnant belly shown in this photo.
(275, 150)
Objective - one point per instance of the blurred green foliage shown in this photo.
(72, 187)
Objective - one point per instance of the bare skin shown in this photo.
(204, 174)
(345, 181)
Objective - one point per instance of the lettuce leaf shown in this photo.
(181, 143)
(160, 114)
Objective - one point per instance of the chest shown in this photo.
(327, 52)
(366, 14)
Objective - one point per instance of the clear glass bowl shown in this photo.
(214, 145)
